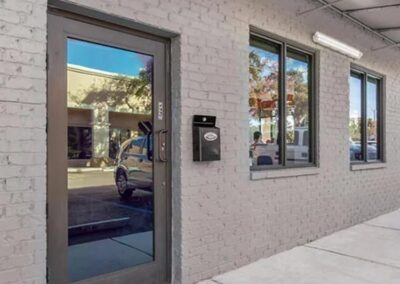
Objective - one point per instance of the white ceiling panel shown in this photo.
(394, 34)
(380, 18)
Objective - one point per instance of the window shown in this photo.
(305, 138)
(280, 104)
(116, 137)
(365, 123)
(79, 142)
(136, 145)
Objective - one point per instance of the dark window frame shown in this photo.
(365, 74)
(285, 44)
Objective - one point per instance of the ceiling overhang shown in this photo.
(379, 17)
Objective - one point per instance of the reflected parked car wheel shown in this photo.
(122, 186)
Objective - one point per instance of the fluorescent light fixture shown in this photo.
(336, 45)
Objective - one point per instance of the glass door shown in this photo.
(107, 166)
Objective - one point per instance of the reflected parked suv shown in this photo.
(134, 166)
(356, 153)
(297, 151)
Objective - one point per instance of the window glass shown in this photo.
(136, 145)
(372, 118)
(264, 103)
(116, 137)
(295, 141)
(110, 181)
(279, 114)
(364, 122)
(79, 142)
(148, 147)
(297, 106)
(305, 138)
(355, 122)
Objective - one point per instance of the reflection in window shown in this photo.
(266, 98)
(79, 142)
(114, 86)
(109, 96)
(355, 118)
(364, 122)
(136, 145)
(372, 118)
(306, 138)
(294, 138)
(264, 103)
(297, 108)
(117, 137)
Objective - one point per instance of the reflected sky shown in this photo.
(355, 102)
(272, 58)
(355, 95)
(372, 92)
(299, 66)
(266, 56)
(105, 58)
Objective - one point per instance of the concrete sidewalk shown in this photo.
(365, 253)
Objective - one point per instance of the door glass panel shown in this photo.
(110, 163)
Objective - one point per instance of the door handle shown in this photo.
(162, 152)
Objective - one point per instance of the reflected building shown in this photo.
(103, 111)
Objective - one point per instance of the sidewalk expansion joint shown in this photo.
(127, 245)
(382, 227)
(352, 256)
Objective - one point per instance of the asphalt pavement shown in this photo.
(96, 211)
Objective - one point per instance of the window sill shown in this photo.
(283, 173)
(367, 166)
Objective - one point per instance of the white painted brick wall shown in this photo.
(22, 141)
(222, 219)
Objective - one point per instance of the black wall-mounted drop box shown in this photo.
(206, 139)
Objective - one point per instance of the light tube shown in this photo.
(336, 45)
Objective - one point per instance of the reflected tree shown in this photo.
(355, 129)
(299, 103)
(264, 85)
(259, 83)
(372, 129)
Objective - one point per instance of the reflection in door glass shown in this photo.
(110, 168)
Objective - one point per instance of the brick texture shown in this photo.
(22, 141)
(221, 218)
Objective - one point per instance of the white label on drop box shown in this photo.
(210, 136)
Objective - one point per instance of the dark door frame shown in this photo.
(63, 21)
